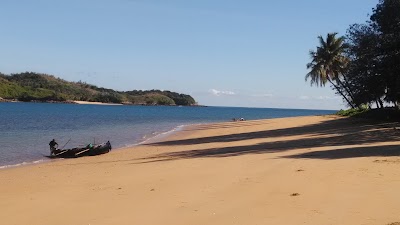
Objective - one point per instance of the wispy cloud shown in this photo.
(219, 93)
(262, 95)
(327, 97)
(303, 97)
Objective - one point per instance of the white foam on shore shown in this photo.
(24, 164)
(154, 136)
(159, 136)
(162, 135)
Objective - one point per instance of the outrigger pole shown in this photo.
(66, 143)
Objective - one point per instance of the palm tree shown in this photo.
(329, 63)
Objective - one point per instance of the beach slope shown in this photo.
(304, 170)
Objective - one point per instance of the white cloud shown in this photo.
(319, 97)
(262, 95)
(327, 97)
(304, 97)
(219, 93)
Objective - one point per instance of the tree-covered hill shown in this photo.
(30, 86)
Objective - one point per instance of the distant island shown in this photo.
(37, 87)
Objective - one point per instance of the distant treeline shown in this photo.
(30, 86)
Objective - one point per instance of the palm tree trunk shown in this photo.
(341, 93)
(380, 103)
(346, 86)
(377, 104)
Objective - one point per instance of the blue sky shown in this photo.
(222, 52)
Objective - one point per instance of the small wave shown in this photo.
(156, 136)
(23, 164)
(162, 134)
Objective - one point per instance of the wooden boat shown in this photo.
(89, 150)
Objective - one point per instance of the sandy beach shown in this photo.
(304, 170)
(94, 103)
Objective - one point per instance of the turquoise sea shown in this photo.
(27, 128)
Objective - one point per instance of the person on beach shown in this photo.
(53, 147)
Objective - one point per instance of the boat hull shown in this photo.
(86, 151)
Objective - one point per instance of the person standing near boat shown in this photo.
(53, 147)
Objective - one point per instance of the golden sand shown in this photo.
(305, 170)
(94, 103)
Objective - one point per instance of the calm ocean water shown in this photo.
(27, 128)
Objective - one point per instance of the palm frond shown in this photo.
(328, 61)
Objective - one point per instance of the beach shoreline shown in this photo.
(94, 103)
(299, 170)
(158, 136)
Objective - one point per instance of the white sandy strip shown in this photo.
(94, 103)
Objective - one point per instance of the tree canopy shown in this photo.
(364, 65)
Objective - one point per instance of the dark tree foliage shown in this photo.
(374, 70)
(135, 92)
(364, 77)
(385, 20)
(372, 74)
(108, 97)
(178, 99)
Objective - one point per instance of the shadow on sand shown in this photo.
(344, 135)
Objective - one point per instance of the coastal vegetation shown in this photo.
(387, 114)
(362, 66)
(353, 111)
(30, 86)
